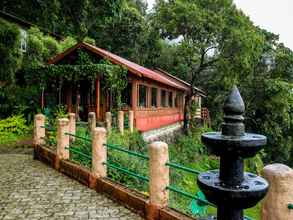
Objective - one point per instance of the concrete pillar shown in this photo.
(92, 121)
(159, 174)
(39, 130)
(280, 195)
(72, 126)
(99, 153)
(131, 120)
(108, 121)
(121, 121)
(62, 138)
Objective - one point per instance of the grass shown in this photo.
(11, 139)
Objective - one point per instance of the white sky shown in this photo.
(273, 15)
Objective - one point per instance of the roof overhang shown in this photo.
(132, 67)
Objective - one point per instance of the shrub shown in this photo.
(10, 56)
(14, 124)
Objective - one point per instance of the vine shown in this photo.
(84, 68)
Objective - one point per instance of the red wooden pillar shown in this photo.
(159, 97)
(134, 95)
(69, 98)
(98, 98)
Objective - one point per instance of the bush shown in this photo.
(10, 56)
(14, 124)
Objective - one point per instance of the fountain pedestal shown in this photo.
(230, 188)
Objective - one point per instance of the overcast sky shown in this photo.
(274, 15)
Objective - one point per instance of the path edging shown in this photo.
(133, 200)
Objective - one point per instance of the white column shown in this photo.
(39, 130)
(72, 126)
(121, 121)
(108, 121)
(99, 153)
(131, 120)
(280, 195)
(62, 138)
(159, 174)
(92, 121)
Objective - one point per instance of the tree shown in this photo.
(10, 56)
(215, 35)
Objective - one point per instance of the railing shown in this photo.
(49, 127)
(116, 166)
(81, 148)
(133, 153)
(79, 137)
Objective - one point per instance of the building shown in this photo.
(156, 97)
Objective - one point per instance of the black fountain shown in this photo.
(230, 188)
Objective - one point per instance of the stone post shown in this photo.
(92, 121)
(121, 121)
(72, 126)
(280, 195)
(99, 153)
(159, 178)
(39, 130)
(108, 121)
(131, 120)
(62, 139)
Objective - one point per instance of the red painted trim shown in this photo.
(149, 123)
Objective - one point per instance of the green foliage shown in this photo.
(89, 40)
(15, 99)
(14, 124)
(10, 56)
(134, 142)
(67, 43)
(40, 48)
(116, 81)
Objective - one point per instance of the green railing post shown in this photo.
(290, 206)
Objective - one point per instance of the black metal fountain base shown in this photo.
(230, 188)
(246, 195)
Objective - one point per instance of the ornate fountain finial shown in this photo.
(233, 110)
(230, 188)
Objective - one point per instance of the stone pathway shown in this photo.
(31, 190)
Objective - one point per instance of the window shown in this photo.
(154, 98)
(178, 99)
(142, 98)
(126, 95)
(171, 99)
(23, 40)
(163, 98)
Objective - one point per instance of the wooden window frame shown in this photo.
(138, 96)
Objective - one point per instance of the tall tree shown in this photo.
(214, 34)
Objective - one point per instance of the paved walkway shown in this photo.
(31, 190)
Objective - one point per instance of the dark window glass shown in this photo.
(178, 100)
(163, 98)
(142, 96)
(171, 99)
(126, 95)
(154, 97)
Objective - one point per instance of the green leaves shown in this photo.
(10, 56)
